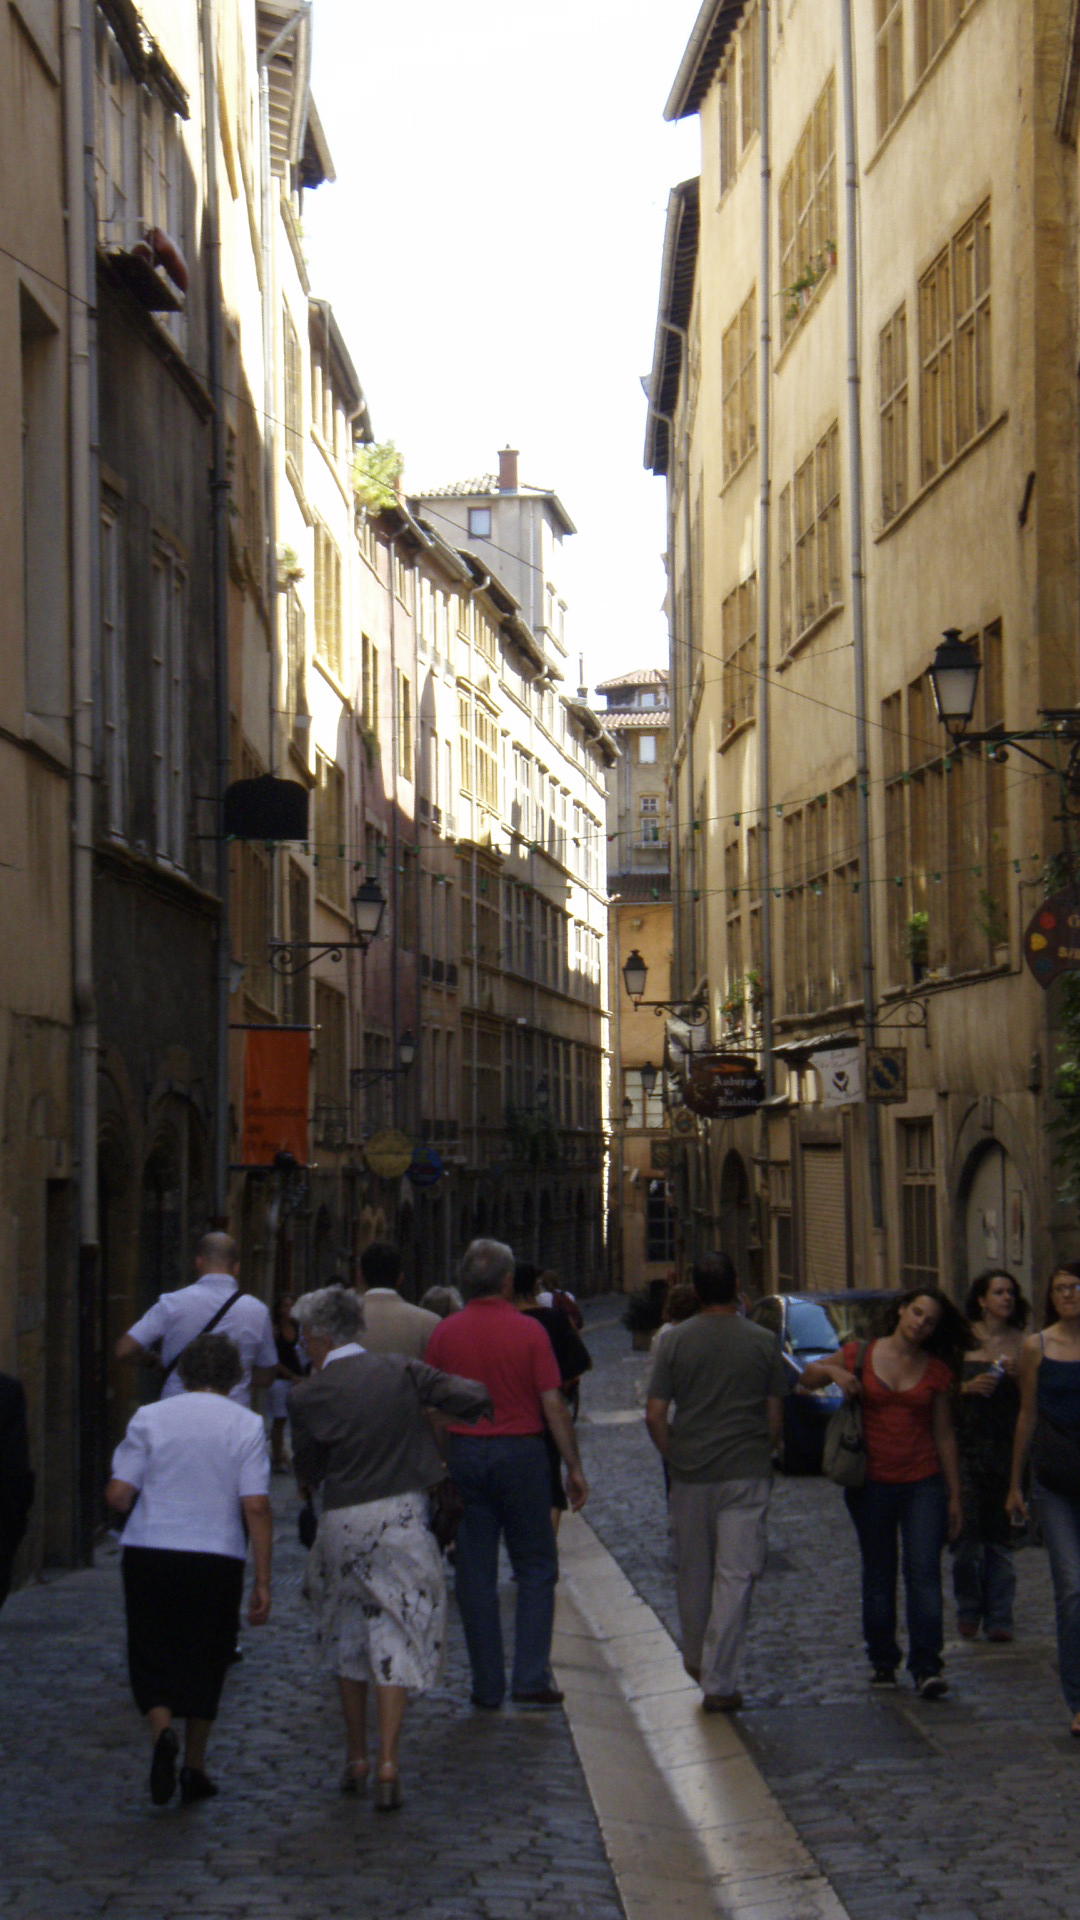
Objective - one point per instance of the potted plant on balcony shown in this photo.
(917, 943)
(993, 920)
(731, 1007)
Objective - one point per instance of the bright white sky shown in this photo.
(492, 250)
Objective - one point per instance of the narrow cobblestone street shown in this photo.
(497, 1822)
(960, 1810)
(957, 1811)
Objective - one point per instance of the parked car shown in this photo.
(810, 1326)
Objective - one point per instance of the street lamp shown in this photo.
(295, 956)
(648, 1078)
(635, 973)
(406, 1052)
(954, 678)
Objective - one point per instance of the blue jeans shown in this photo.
(984, 1582)
(1059, 1518)
(505, 1485)
(917, 1511)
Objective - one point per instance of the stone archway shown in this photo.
(991, 1175)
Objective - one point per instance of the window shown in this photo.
(113, 674)
(918, 1205)
(659, 1223)
(293, 360)
(808, 212)
(113, 98)
(728, 126)
(817, 532)
(739, 363)
(168, 646)
(369, 685)
(954, 345)
(331, 1055)
(889, 26)
(645, 1110)
(44, 610)
(934, 21)
(404, 726)
(296, 986)
(794, 914)
(487, 759)
(329, 623)
(846, 948)
(739, 640)
(331, 865)
(783, 538)
(296, 646)
(733, 1009)
(253, 876)
(780, 1201)
(480, 523)
(408, 881)
(896, 858)
(401, 578)
(893, 392)
(647, 749)
(650, 820)
(749, 100)
(816, 866)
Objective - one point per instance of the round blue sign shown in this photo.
(426, 1168)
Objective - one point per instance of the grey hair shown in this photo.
(484, 1267)
(333, 1314)
(210, 1361)
(442, 1300)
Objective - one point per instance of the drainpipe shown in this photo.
(395, 835)
(764, 582)
(858, 593)
(674, 856)
(83, 457)
(688, 623)
(219, 494)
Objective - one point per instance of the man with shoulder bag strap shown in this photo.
(212, 1303)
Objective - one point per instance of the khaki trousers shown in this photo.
(719, 1537)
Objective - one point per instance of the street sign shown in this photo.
(389, 1153)
(722, 1083)
(1052, 937)
(426, 1167)
(886, 1073)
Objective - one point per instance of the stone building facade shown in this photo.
(868, 430)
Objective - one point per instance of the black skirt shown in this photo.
(182, 1611)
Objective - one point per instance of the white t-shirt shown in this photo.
(176, 1318)
(193, 1457)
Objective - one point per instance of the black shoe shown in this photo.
(883, 1677)
(931, 1686)
(486, 1706)
(542, 1697)
(163, 1767)
(195, 1786)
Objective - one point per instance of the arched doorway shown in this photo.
(735, 1213)
(996, 1216)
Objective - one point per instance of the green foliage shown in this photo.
(376, 472)
(644, 1310)
(917, 938)
(533, 1135)
(992, 919)
(1065, 1125)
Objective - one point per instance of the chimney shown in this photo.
(583, 691)
(508, 471)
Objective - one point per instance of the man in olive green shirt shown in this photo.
(726, 1378)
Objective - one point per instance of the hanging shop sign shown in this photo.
(660, 1156)
(840, 1071)
(388, 1154)
(265, 808)
(683, 1124)
(1052, 938)
(723, 1083)
(886, 1073)
(276, 1065)
(425, 1168)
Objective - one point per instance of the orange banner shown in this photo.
(275, 1096)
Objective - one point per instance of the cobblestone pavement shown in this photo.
(497, 1822)
(959, 1810)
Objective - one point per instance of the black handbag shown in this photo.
(307, 1523)
(1055, 1457)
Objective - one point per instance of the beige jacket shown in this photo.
(391, 1325)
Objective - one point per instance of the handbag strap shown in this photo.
(209, 1328)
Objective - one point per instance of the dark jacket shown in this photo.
(360, 1430)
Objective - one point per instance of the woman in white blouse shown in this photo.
(190, 1472)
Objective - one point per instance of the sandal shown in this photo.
(387, 1791)
(354, 1777)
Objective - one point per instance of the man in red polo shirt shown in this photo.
(500, 1468)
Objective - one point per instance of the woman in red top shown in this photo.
(912, 1487)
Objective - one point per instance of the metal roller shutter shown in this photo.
(824, 1218)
